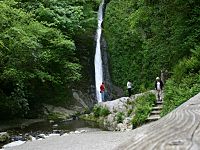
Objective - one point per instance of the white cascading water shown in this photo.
(98, 59)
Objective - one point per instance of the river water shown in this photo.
(64, 126)
(46, 127)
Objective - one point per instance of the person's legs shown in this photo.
(158, 95)
(161, 95)
(102, 96)
(129, 92)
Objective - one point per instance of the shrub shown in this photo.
(100, 111)
(104, 111)
(120, 117)
(184, 83)
(129, 112)
(142, 108)
(96, 110)
(176, 94)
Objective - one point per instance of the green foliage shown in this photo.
(184, 84)
(104, 112)
(100, 111)
(176, 94)
(129, 112)
(142, 108)
(120, 117)
(71, 17)
(145, 37)
(56, 116)
(38, 60)
(96, 110)
(186, 66)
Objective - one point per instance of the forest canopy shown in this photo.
(38, 59)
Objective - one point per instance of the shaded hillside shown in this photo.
(145, 37)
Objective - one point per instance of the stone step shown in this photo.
(155, 112)
(153, 117)
(157, 108)
(159, 105)
(159, 102)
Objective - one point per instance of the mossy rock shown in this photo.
(4, 136)
(57, 116)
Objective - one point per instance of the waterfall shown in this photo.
(98, 60)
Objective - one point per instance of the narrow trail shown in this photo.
(155, 113)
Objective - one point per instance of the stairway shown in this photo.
(155, 113)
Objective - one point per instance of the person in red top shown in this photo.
(102, 91)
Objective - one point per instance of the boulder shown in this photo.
(60, 113)
(111, 118)
(109, 122)
(81, 98)
(77, 132)
(4, 136)
(127, 121)
(120, 127)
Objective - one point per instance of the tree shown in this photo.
(33, 57)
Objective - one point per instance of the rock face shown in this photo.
(106, 73)
(78, 95)
(4, 136)
(121, 113)
(117, 91)
(58, 112)
(118, 105)
(121, 104)
(118, 120)
(84, 100)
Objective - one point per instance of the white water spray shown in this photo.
(98, 59)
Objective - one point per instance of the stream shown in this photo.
(46, 128)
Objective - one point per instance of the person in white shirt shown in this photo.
(129, 87)
(158, 88)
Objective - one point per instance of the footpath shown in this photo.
(179, 130)
(155, 113)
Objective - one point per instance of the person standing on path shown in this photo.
(102, 91)
(129, 87)
(159, 88)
